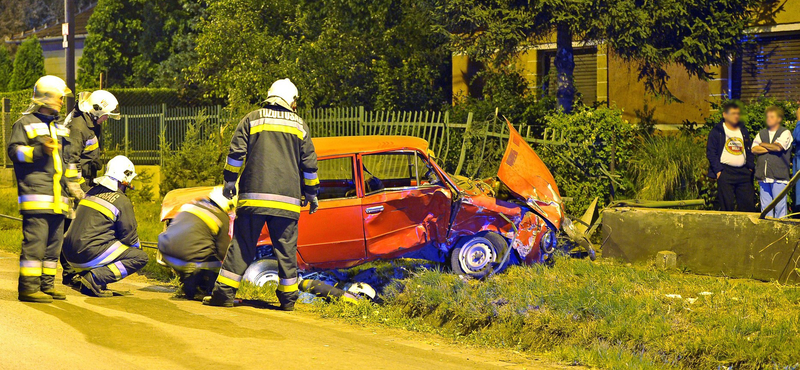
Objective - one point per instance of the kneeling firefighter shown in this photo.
(102, 244)
(196, 240)
(272, 150)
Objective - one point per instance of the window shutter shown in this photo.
(584, 75)
(770, 67)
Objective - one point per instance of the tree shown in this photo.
(385, 54)
(649, 34)
(28, 65)
(112, 44)
(6, 67)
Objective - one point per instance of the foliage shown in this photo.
(197, 161)
(143, 189)
(753, 114)
(112, 44)
(397, 62)
(669, 167)
(651, 34)
(6, 67)
(28, 65)
(600, 314)
(594, 140)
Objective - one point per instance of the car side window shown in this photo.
(336, 178)
(389, 171)
(427, 175)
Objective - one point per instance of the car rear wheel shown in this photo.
(262, 272)
(477, 256)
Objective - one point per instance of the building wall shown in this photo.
(617, 80)
(54, 56)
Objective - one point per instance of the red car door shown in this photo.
(333, 237)
(403, 210)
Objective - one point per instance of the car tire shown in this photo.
(475, 256)
(262, 272)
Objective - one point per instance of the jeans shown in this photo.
(768, 192)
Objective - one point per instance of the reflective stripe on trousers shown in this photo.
(104, 259)
(228, 278)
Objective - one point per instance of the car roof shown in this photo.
(330, 146)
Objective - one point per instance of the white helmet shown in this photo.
(49, 91)
(220, 200)
(284, 93)
(99, 103)
(119, 170)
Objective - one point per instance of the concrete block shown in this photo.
(667, 260)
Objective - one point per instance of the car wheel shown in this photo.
(262, 272)
(476, 256)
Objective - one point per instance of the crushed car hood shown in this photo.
(525, 175)
(177, 198)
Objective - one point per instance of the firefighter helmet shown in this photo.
(284, 93)
(220, 200)
(119, 170)
(49, 91)
(98, 104)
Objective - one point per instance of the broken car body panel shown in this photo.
(383, 197)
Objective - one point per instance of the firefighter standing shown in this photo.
(102, 244)
(36, 146)
(196, 240)
(272, 156)
(84, 124)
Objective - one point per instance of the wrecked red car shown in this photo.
(384, 197)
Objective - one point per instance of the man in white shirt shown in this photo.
(731, 162)
(773, 166)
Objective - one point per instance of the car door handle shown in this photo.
(374, 210)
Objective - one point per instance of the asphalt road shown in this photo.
(152, 330)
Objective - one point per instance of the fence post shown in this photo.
(126, 136)
(463, 154)
(5, 112)
(360, 120)
(161, 132)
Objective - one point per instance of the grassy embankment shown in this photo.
(602, 314)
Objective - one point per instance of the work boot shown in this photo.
(91, 288)
(57, 295)
(287, 300)
(211, 301)
(37, 297)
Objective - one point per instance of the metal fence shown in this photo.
(144, 132)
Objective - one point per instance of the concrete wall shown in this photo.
(715, 243)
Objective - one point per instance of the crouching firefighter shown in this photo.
(101, 243)
(196, 240)
(272, 156)
(37, 147)
(84, 124)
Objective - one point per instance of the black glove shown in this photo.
(312, 200)
(229, 190)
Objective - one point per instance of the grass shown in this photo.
(603, 314)
(149, 227)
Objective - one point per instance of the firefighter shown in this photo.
(101, 243)
(272, 156)
(37, 145)
(84, 124)
(196, 240)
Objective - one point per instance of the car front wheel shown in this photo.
(262, 272)
(476, 256)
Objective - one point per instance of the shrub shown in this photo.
(582, 164)
(197, 161)
(669, 167)
(28, 65)
(6, 67)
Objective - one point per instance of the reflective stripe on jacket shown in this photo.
(198, 233)
(272, 151)
(84, 157)
(103, 218)
(40, 177)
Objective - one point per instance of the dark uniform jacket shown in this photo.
(198, 233)
(85, 153)
(40, 177)
(102, 218)
(273, 152)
